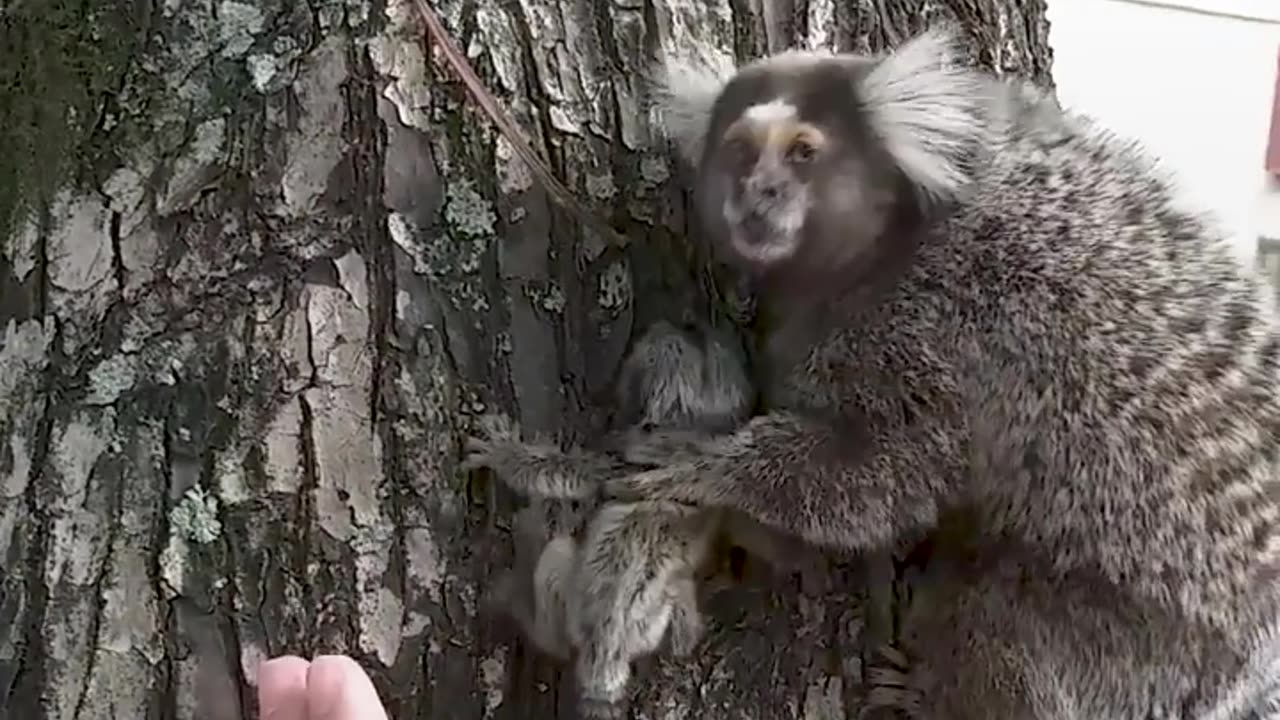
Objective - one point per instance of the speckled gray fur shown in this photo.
(1070, 360)
(609, 580)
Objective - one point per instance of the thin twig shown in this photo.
(508, 127)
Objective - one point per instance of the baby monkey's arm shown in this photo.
(538, 469)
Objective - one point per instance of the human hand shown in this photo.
(331, 687)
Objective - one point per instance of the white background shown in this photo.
(1192, 79)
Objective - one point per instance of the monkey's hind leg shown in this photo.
(687, 623)
(552, 583)
(994, 633)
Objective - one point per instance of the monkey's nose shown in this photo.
(765, 189)
(767, 192)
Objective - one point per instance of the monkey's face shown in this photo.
(768, 157)
(791, 174)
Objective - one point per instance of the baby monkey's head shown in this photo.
(808, 158)
(690, 376)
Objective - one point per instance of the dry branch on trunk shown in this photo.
(261, 261)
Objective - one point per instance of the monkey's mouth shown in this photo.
(759, 241)
(755, 232)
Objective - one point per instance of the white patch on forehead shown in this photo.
(772, 111)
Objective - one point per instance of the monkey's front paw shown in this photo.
(659, 448)
(676, 482)
(484, 448)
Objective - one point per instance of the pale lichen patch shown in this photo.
(601, 186)
(654, 169)
(466, 211)
(548, 297)
(493, 673)
(264, 71)
(615, 286)
(238, 23)
(513, 175)
(195, 517)
(416, 623)
(111, 378)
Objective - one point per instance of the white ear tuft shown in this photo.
(929, 112)
(684, 91)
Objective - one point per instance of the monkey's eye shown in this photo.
(801, 152)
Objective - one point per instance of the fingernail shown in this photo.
(340, 690)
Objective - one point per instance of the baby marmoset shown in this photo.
(982, 300)
(610, 579)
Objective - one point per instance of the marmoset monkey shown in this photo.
(612, 590)
(983, 301)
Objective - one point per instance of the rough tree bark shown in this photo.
(261, 259)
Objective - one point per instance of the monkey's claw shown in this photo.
(492, 431)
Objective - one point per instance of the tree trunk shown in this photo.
(263, 259)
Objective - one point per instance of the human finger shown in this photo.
(282, 688)
(339, 689)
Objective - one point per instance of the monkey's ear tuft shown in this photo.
(930, 112)
(684, 90)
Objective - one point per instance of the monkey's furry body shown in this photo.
(612, 578)
(987, 307)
